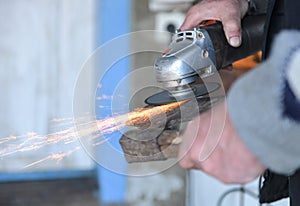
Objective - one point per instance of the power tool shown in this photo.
(184, 70)
(198, 53)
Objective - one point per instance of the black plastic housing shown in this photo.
(252, 40)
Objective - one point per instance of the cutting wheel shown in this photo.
(166, 97)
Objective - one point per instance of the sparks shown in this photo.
(92, 131)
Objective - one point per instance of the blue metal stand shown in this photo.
(113, 20)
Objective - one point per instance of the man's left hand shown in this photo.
(212, 145)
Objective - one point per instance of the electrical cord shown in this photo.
(241, 189)
(259, 187)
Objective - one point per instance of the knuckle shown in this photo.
(184, 164)
(227, 181)
(232, 26)
(226, 178)
(210, 169)
(194, 157)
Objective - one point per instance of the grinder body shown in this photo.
(200, 52)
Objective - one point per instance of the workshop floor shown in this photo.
(72, 192)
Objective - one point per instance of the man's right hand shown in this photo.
(229, 12)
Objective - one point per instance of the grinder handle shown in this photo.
(252, 40)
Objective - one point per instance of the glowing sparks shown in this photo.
(93, 132)
(144, 115)
(104, 97)
(56, 157)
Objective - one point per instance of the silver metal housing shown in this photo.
(190, 56)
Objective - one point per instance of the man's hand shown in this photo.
(212, 144)
(229, 12)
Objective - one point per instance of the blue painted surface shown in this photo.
(113, 20)
(47, 175)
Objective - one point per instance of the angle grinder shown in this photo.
(198, 53)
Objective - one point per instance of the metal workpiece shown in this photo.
(161, 141)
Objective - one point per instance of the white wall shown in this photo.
(43, 45)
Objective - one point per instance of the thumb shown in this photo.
(232, 29)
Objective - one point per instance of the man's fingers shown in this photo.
(232, 28)
(194, 16)
(186, 163)
(190, 22)
(229, 12)
(187, 24)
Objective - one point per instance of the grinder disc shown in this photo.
(166, 97)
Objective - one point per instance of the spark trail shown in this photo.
(93, 132)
